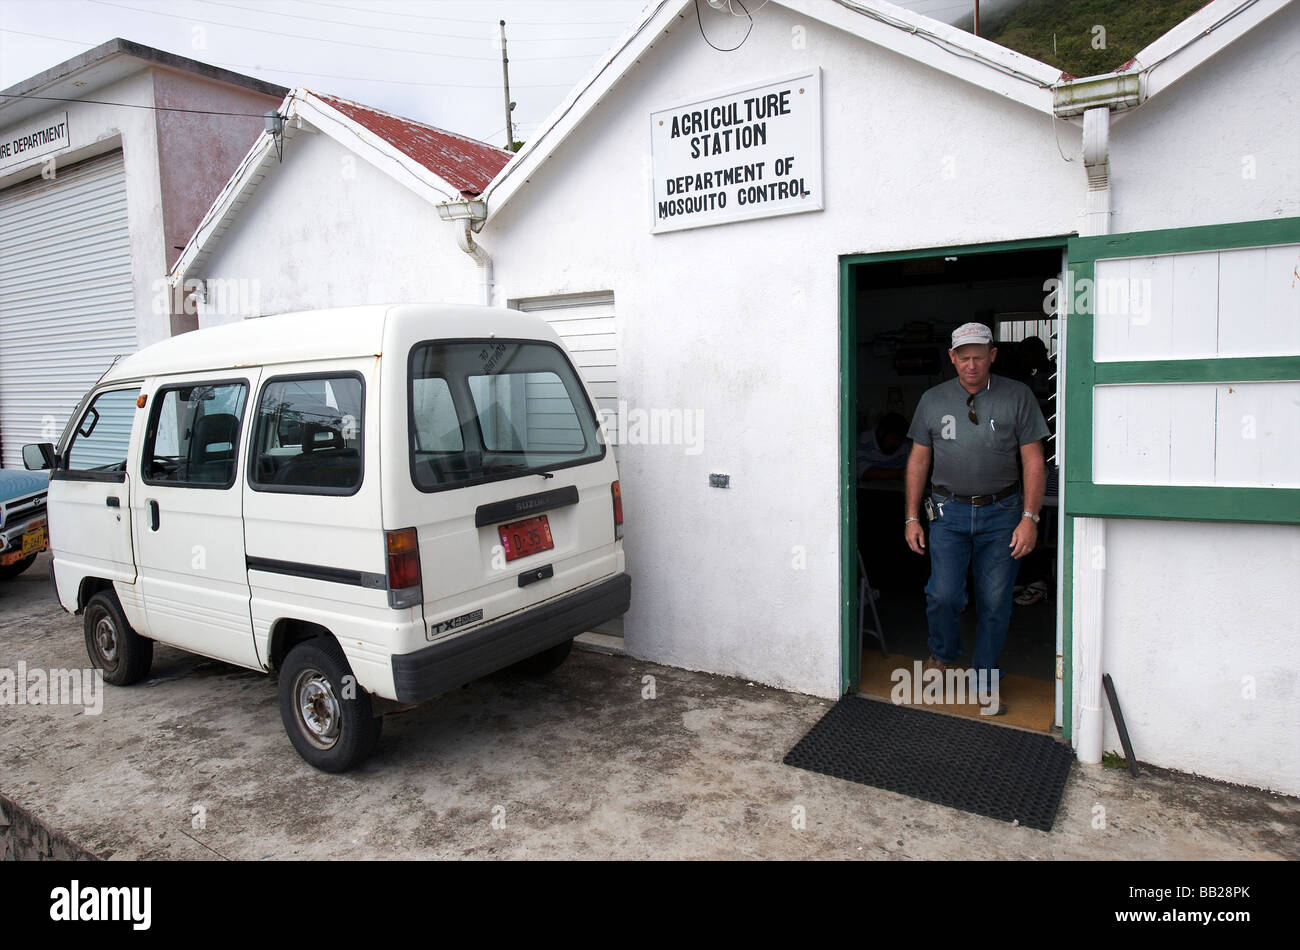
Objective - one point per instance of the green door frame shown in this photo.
(850, 648)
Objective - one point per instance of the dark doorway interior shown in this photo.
(906, 312)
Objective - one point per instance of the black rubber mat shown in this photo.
(976, 766)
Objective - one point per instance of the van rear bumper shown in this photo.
(443, 666)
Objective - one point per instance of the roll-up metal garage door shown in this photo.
(66, 306)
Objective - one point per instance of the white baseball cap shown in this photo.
(971, 333)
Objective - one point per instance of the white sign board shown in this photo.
(750, 153)
(24, 143)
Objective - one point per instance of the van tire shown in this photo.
(539, 664)
(10, 571)
(122, 654)
(330, 732)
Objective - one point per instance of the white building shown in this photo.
(887, 177)
(346, 196)
(107, 162)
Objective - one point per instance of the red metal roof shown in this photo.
(465, 163)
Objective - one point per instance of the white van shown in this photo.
(378, 503)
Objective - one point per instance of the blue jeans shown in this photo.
(982, 536)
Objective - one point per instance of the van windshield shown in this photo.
(495, 409)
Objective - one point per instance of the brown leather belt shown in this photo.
(976, 501)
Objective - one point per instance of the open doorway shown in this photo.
(903, 309)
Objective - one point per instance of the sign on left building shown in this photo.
(34, 139)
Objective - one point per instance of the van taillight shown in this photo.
(618, 509)
(403, 567)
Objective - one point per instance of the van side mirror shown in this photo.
(38, 456)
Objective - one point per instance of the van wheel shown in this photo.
(123, 655)
(331, 731)
(539, 664)
(10, 571)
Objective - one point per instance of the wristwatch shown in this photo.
(1030, 515)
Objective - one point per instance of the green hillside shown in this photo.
(1061, 32)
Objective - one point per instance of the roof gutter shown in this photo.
(1115, 92)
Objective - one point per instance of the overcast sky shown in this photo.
(438, 61)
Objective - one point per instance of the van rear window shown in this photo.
(495, 409)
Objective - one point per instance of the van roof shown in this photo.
(338, 333)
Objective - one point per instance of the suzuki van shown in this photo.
(378, 504)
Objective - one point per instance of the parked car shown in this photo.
(378, 503)
(23, 533)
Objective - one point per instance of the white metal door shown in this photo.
(89, 501)
(66, 306)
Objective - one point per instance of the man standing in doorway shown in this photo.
(975, 429)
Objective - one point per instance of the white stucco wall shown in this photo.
(328, 229)
(740, 323)
(1220, 145)
(1204, 647)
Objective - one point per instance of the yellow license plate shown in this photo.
(34, 541)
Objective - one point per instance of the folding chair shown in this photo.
(868, 596)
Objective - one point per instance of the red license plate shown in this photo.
(526, 537)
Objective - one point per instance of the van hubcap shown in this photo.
(318, 708)
(106, 640)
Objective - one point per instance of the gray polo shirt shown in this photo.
(977, 458)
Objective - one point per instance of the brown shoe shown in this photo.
(935, 664)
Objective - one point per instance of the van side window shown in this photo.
(308, 435)
(193, 435)
(99, 442)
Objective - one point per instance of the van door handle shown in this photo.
(153, 515)
(113, 501)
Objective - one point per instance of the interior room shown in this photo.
(906, 312)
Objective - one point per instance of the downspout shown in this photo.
(467, 216)
(1096, 164)
(1094, 98)
(1090, 533)
(465, 240)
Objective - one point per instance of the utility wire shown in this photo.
(938, 41)
(320, 39)
(699, 21)
(397, 29)
(396, 82)
(647, 16)
(128, 105)
(447, 19)
(303, 72)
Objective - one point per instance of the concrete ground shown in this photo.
(608, 757)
